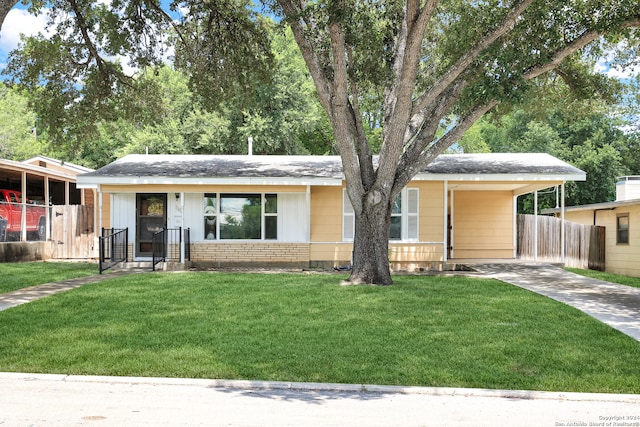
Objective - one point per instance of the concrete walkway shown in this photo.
(616, 305)
(25, 295)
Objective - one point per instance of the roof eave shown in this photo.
(94, 182)
(502, 177)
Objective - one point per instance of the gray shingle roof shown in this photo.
(314, 167)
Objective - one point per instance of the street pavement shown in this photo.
(59, 400)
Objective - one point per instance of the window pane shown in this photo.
(347, 208)
(412, 227)
(210, 228)
(395, 230)
(271, 227)
(348, 230)
(240, 216)
(210, 200)
(623, 230)
(210, 216)
(396, 208)
(271, 203)
(412, 196)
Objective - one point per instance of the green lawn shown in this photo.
(607, 277)
(424, 330)
(21, 275)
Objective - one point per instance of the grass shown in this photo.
(607, 277)
(21, 275)
(423, 331)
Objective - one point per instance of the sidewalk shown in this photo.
(59, 400)
(25, 295)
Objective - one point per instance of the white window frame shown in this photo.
(263, 216)
(410, 214)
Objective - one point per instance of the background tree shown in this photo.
(18, 134)
(84, 73)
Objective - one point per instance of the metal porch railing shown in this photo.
(167, 246)
(113, 247)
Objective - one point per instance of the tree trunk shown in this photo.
(371, 244)
(5, 7)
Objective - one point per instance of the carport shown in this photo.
(45, 181)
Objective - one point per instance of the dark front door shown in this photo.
(151, 216)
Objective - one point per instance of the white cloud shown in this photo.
(604, 64)
(19, 21)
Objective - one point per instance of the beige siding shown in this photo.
(620, 258)
(326, 214)
(331, 253)
(581, 217)
(483, 224)
(431, 211)
(106, 211)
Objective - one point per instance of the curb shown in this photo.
(329, 387)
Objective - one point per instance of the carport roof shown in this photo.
(317, 170)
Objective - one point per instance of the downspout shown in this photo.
(308, 230)
(445, 228)
(452, 218)
(515, 227)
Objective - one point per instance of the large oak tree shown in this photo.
(442, 64)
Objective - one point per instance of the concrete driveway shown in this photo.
(616, 305)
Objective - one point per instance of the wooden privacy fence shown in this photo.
(584, 244)
(72, 231)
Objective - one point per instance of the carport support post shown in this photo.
(23, 208)
(562, 225)
(535, 226)
(47, 205)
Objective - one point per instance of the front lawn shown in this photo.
(23, 274)
(607, 277)
(423, 331)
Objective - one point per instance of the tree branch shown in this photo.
(294, 12)
(461, 65)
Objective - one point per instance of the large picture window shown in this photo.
(240, 216)
(622, 229)
(404, 217)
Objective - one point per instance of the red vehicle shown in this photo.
(11, 212)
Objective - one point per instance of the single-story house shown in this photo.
(294, 211)
(621, 220)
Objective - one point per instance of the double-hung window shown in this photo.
(404, 217)
(240, 216)
(622, 229)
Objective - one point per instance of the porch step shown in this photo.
(133, 266)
